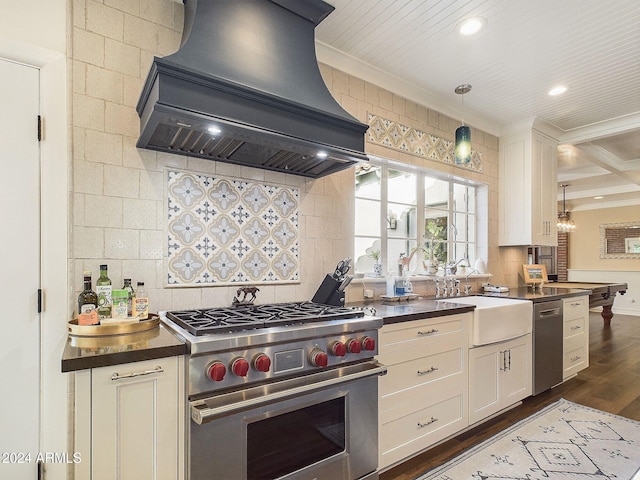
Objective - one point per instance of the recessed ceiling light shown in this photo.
(599, 197)
(322, 154)
(214, 130)
(471, 25)
(558, 90)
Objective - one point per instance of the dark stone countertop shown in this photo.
(407, 310)
(425, 307)
(547, 294)
(91, 352)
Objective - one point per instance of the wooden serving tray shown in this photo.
(113, 329)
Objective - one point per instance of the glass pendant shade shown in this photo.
(463, 145)
(565, 224)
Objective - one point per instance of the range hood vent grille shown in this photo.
(270, 106)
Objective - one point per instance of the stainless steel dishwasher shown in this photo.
(547, 345)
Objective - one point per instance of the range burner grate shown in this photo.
(250, 317)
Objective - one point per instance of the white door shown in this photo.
(19, 271)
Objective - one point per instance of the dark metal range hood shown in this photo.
(245, 88)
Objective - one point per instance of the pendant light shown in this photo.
(463, 133)
(565, 224)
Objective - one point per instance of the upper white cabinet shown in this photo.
(528, 190)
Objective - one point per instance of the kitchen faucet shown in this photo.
(467, 287)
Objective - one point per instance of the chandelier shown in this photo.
(565, 224)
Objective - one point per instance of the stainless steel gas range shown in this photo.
(286, 391)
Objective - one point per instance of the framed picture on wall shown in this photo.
(535, 274)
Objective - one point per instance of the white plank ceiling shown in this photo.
(527, 46)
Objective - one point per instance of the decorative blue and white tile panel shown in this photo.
(416, 142)
(223, 231)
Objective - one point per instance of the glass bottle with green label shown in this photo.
(103, 289)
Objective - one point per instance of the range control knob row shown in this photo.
(239, 366)
(318, 358)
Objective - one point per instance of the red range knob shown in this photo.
(262, 362)
(240, 367)
(318, 358)
(354, 346)
(369, 343)
(338, 349)
(216, 371)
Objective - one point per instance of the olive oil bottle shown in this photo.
(88, 299)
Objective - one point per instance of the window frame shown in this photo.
(475, 248)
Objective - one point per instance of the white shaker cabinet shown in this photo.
(423, 396)
(575, 314)
(128, 421)
(527, 202)
(499, 376)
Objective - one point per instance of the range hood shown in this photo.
(245, 88)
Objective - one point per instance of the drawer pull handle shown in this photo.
(577, 327)
(422, 425)
(575, 359)
(428, 332)
(425, 372)
(577, 304)
(117, 376)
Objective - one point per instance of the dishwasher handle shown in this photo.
(552, 312)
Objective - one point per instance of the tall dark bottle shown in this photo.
(88, 299)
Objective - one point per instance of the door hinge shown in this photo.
(39, 128)
(39, 300)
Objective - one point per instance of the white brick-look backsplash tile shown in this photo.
(88, 112)
(121, 243)
(140, 32)
(104, 20)
(123, 58)
(102, 147)
(102, 211)
(87, 177)
(88, 47)
(127, 6)
(105, 84)
(121, 181)
(140, 214)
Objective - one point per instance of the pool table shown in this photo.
(602, 295)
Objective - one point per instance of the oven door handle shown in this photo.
(205, 410)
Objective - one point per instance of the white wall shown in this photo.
(34, 32)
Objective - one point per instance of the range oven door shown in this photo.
(319, 426)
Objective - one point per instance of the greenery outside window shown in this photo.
(417, 214)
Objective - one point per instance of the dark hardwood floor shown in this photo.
(611, 383)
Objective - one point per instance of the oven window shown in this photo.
(280, 445)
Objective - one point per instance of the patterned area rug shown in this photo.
(563, 441)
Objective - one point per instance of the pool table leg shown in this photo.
(607, 315)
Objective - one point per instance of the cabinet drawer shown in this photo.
(407, 435)
(575, 359)
(575, 307)
(420, 332)
(574, 327)
(427, 369)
